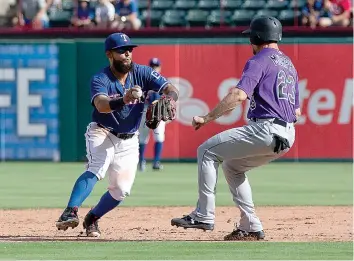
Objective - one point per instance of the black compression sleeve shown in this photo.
(116, 104)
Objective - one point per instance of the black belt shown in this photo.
(123, 136)
(275, 121)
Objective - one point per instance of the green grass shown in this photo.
(39, 185)
(177, 251)
(43, 185)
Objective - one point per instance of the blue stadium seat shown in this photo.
(185, 4)
(60, 18)
(242, 17)
(143, 4)
(173, 18)
(287, 17)
(153, 15)
(231, 4)
(162, 4)
(277, 4)
(267, 12)
(297, 4)
(197, 17)
(253, 4)
(208, 4)
(67, 5)
(215, 16)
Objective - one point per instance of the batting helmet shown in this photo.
(264, 29)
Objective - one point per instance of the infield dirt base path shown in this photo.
(153, 223)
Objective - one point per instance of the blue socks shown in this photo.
(106, 204)
(82, 189)
(158, 151)
(141, 151)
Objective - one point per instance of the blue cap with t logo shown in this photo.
(118, 40)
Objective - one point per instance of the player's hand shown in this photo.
(198, 122)
(128, 98)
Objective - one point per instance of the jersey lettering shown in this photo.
(286, 87)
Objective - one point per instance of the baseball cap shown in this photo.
(118, 40)
(154, 62)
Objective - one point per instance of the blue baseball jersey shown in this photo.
(128, 119)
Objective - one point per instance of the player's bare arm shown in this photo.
(104, 104)
(297, 113)
(227, 104)
(172, 91)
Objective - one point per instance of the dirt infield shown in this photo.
(150, 224)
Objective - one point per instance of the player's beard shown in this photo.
(121, 67)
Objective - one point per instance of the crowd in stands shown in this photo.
(137, 14)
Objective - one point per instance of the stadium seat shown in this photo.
(185, 4)
(173, 18)
(60, 18)
(277, 5)
(197, 17)
(267, 12)
(143, 4)
(93, 4)
(287, 17)
(231, 4)
(175, 12)
(253, 4)
(297, 4)
(208, 4)
(242, 17)
(153, 15)
(215, 16)
(67, 5)
(162, 4)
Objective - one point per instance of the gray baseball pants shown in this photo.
(238, 150)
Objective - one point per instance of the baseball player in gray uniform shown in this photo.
(270, 81)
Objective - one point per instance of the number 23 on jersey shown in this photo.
(286, 87)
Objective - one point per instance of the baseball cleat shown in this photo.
(157, 166)
(69, 218)
(240, 235)
(91, 225)
(188, 222)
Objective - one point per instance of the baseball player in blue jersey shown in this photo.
(144, 131)
(112, 137)
(270, 81)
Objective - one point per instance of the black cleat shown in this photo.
(157, 166)
(188, 222)
(91, 225)
(69, 218)
(240, 235)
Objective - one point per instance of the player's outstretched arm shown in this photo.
(104, 104)
(228, 103)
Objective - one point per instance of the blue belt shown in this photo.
(123, 136)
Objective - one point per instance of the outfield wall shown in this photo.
(45, 103)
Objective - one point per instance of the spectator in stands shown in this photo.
(126, 15)
(311, 12)
(340, 13)
(84, 15)
(33, 14)
(104, 14)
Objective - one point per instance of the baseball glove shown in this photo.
(163, 109)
